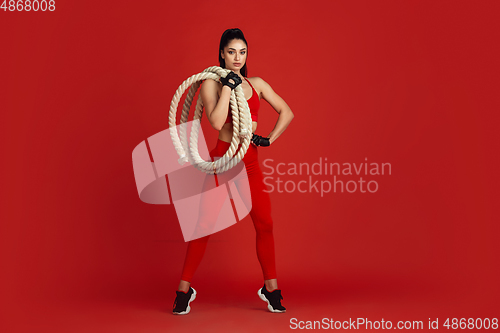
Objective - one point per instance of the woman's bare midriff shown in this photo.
(226, 133)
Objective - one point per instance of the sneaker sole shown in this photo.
(192, 298)
(269, 307)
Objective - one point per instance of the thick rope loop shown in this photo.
(242, 124)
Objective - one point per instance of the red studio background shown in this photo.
(410, 83)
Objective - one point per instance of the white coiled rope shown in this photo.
(242, 124)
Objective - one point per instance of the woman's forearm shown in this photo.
(219, 114)
(284, 119)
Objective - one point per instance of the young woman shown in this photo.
(233, 52)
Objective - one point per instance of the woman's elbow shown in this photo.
(214, 122)
(216, 125)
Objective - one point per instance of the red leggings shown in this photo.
(260, 213)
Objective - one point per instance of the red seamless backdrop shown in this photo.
(413, 84)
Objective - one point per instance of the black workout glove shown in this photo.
(231, 75)
(260, 141)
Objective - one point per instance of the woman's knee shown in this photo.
(263, 224)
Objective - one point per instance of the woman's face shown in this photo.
(235, 55)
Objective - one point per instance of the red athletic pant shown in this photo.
(260, 213)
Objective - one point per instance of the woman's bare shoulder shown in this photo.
(256, 79)
(210, 85)
(259, 84)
